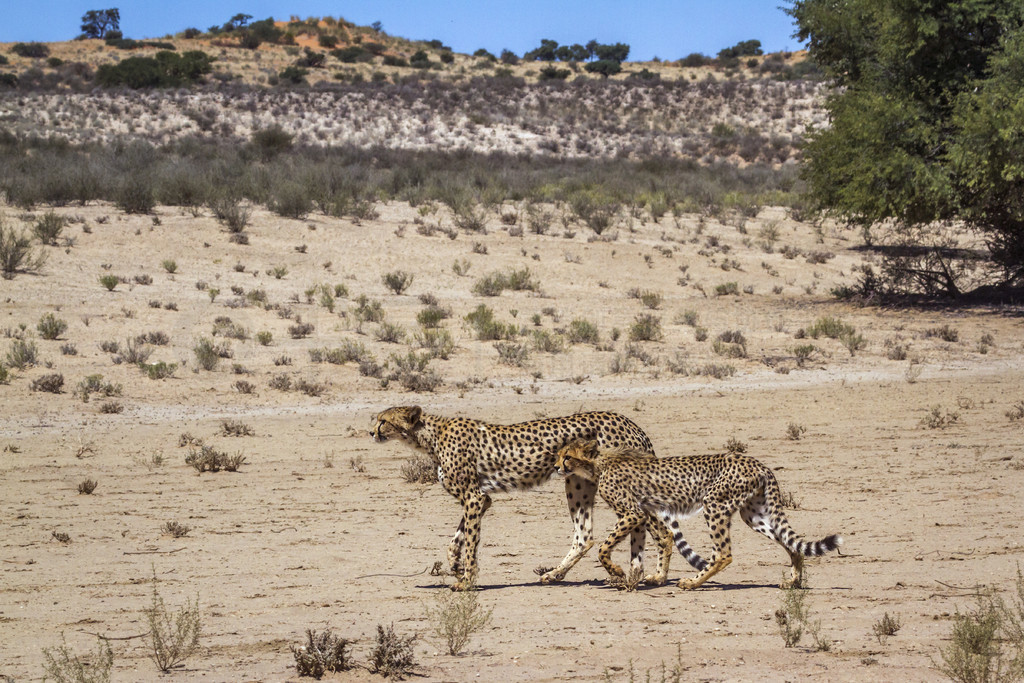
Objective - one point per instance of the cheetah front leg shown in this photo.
(579, 495)
(474, 505)
(627, 524)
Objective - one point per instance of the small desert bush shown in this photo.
(172, 639)
(22, 354)
(397, 281)
(455, 617)
(937, 419)
(109, 281)
(481, 319)
(176, 529)
(987, 643)
(494, 284)
(431, 316)
(830, 327)
(52, 383)
(419, 469)
(235, 428)
(159, 370)
(437, 342)
(322, 653)
(300, 330)
(794, 619)
(206, 353)
(17, 254)
(945, 333)
(794, 431)
(264, 338)
(512, 353)
(51, 327)
(412, 372)
(727, 289)
(205, 458)
(1016, 413)
(582, 331)
(885, 627)
(87, 486)
(390, 333)
(645, 327)
(803, 353)
(94, 384)
(368, 310)
(135, 352)
(48, 227)
(64, 666)
(731, 344)
(392, 655)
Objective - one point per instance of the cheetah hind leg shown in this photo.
(718, 516)
(455, 549)
(665, 543)
(796, 579)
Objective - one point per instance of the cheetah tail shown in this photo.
(784, 532)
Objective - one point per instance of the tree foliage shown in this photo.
(927, 129)
(98, 23)
(165, 70)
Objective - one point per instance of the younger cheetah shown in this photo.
(636, 485)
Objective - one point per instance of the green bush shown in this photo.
(48, 228)
(166, 69)
(16, 254)
(582, 332)
(481, 319)
(31, 50)
(645, 327)
(22, 354)
(51, 327)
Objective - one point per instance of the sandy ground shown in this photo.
(319, 529)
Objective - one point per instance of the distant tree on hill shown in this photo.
(744, 48)
(97, 23)
(612, 53)
(544, 53)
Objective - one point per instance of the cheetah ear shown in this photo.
(590, 448)
(413, 414)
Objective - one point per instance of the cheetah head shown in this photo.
(577, 457)
(400, 421)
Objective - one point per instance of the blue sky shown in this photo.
(668, 29)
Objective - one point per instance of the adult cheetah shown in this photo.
(636, 486)
(475, 459)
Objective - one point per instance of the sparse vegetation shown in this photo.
(323, 653)
(455, 617)
(392, 655)
(65, 666)
(172, 639)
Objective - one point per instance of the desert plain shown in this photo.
(905, 446)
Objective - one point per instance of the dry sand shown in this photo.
(319, 529)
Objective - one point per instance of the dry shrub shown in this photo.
(322, 653)
(419, 469)
(455, 617)
(392, 657)
(172, 640)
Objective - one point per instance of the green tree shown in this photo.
(544, 53)
(97, 23)
(744, 48)
(927, 131)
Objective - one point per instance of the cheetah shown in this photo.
(475, 459)
(636, 485)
